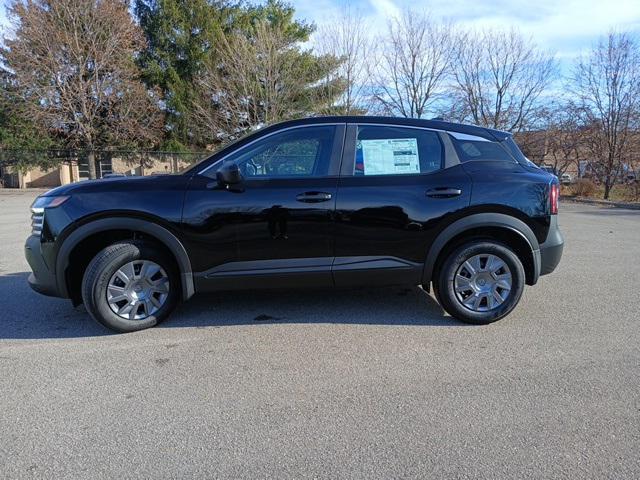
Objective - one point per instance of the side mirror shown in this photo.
(229, 174)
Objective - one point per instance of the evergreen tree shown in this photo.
(180, 34)
(187, 39)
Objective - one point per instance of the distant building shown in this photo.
(73, 171)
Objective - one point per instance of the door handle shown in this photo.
(313, 197)
(443, 192)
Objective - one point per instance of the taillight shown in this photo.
(554, 193)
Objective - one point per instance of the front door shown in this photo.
(282, 212)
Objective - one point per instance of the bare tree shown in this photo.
(259, 79)
(347, 38)
(606, 85)
(499, 78)
(73, 64)
(561, 140)
(414, 60)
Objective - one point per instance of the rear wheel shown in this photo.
(130, 286)
(480, 282)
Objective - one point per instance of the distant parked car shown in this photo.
(566, 179)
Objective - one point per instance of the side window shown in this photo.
(474, 150)
(299, 152)
(386, 150)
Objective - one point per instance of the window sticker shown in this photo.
(390, 156)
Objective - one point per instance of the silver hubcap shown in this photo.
(482, 283)
(138, 289)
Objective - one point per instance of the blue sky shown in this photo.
(565, 27)
(3, 16)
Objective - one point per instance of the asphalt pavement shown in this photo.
(358, 383)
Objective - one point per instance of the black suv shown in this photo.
(319, 202)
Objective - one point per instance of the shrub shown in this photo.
(632, 191)
(583, 187)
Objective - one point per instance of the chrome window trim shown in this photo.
(262, 137)
(466, 136)
(395, 125)
(456, 135)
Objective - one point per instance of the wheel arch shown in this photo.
(112, 225)
(505, 228)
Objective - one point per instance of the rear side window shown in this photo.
(479, 150)
(382, 150)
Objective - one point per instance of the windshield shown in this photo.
(224, 146)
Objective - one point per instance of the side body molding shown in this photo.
(126, 223)
(482, 220)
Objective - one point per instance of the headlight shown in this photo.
(37, 211)
(41, 203)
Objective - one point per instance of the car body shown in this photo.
(317, 202)
(566, 179)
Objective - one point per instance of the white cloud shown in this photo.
(385, 8)
(567, 27)
(563, 25)
(4, 21)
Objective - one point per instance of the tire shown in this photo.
(474, 298)
(101, 281)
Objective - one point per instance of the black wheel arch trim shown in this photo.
(124, 223)
(482, 220)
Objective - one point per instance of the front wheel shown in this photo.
(130, 286)
(480, 282)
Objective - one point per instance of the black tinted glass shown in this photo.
(480, 150)
(299, 152)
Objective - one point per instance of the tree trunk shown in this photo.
(91, 161)
(607, 188)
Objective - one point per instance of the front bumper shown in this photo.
(42, 280)
(551, 249)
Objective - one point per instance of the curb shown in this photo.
(601, 203)
(22, 191)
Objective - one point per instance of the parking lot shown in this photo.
(360, 383)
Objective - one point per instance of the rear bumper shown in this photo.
(551, 249)
(42, 280)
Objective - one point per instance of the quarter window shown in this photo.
(382, 150)
(479, 150)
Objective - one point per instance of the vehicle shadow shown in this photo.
(25, 314)
(367, 306)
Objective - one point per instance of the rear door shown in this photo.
(398, 187)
